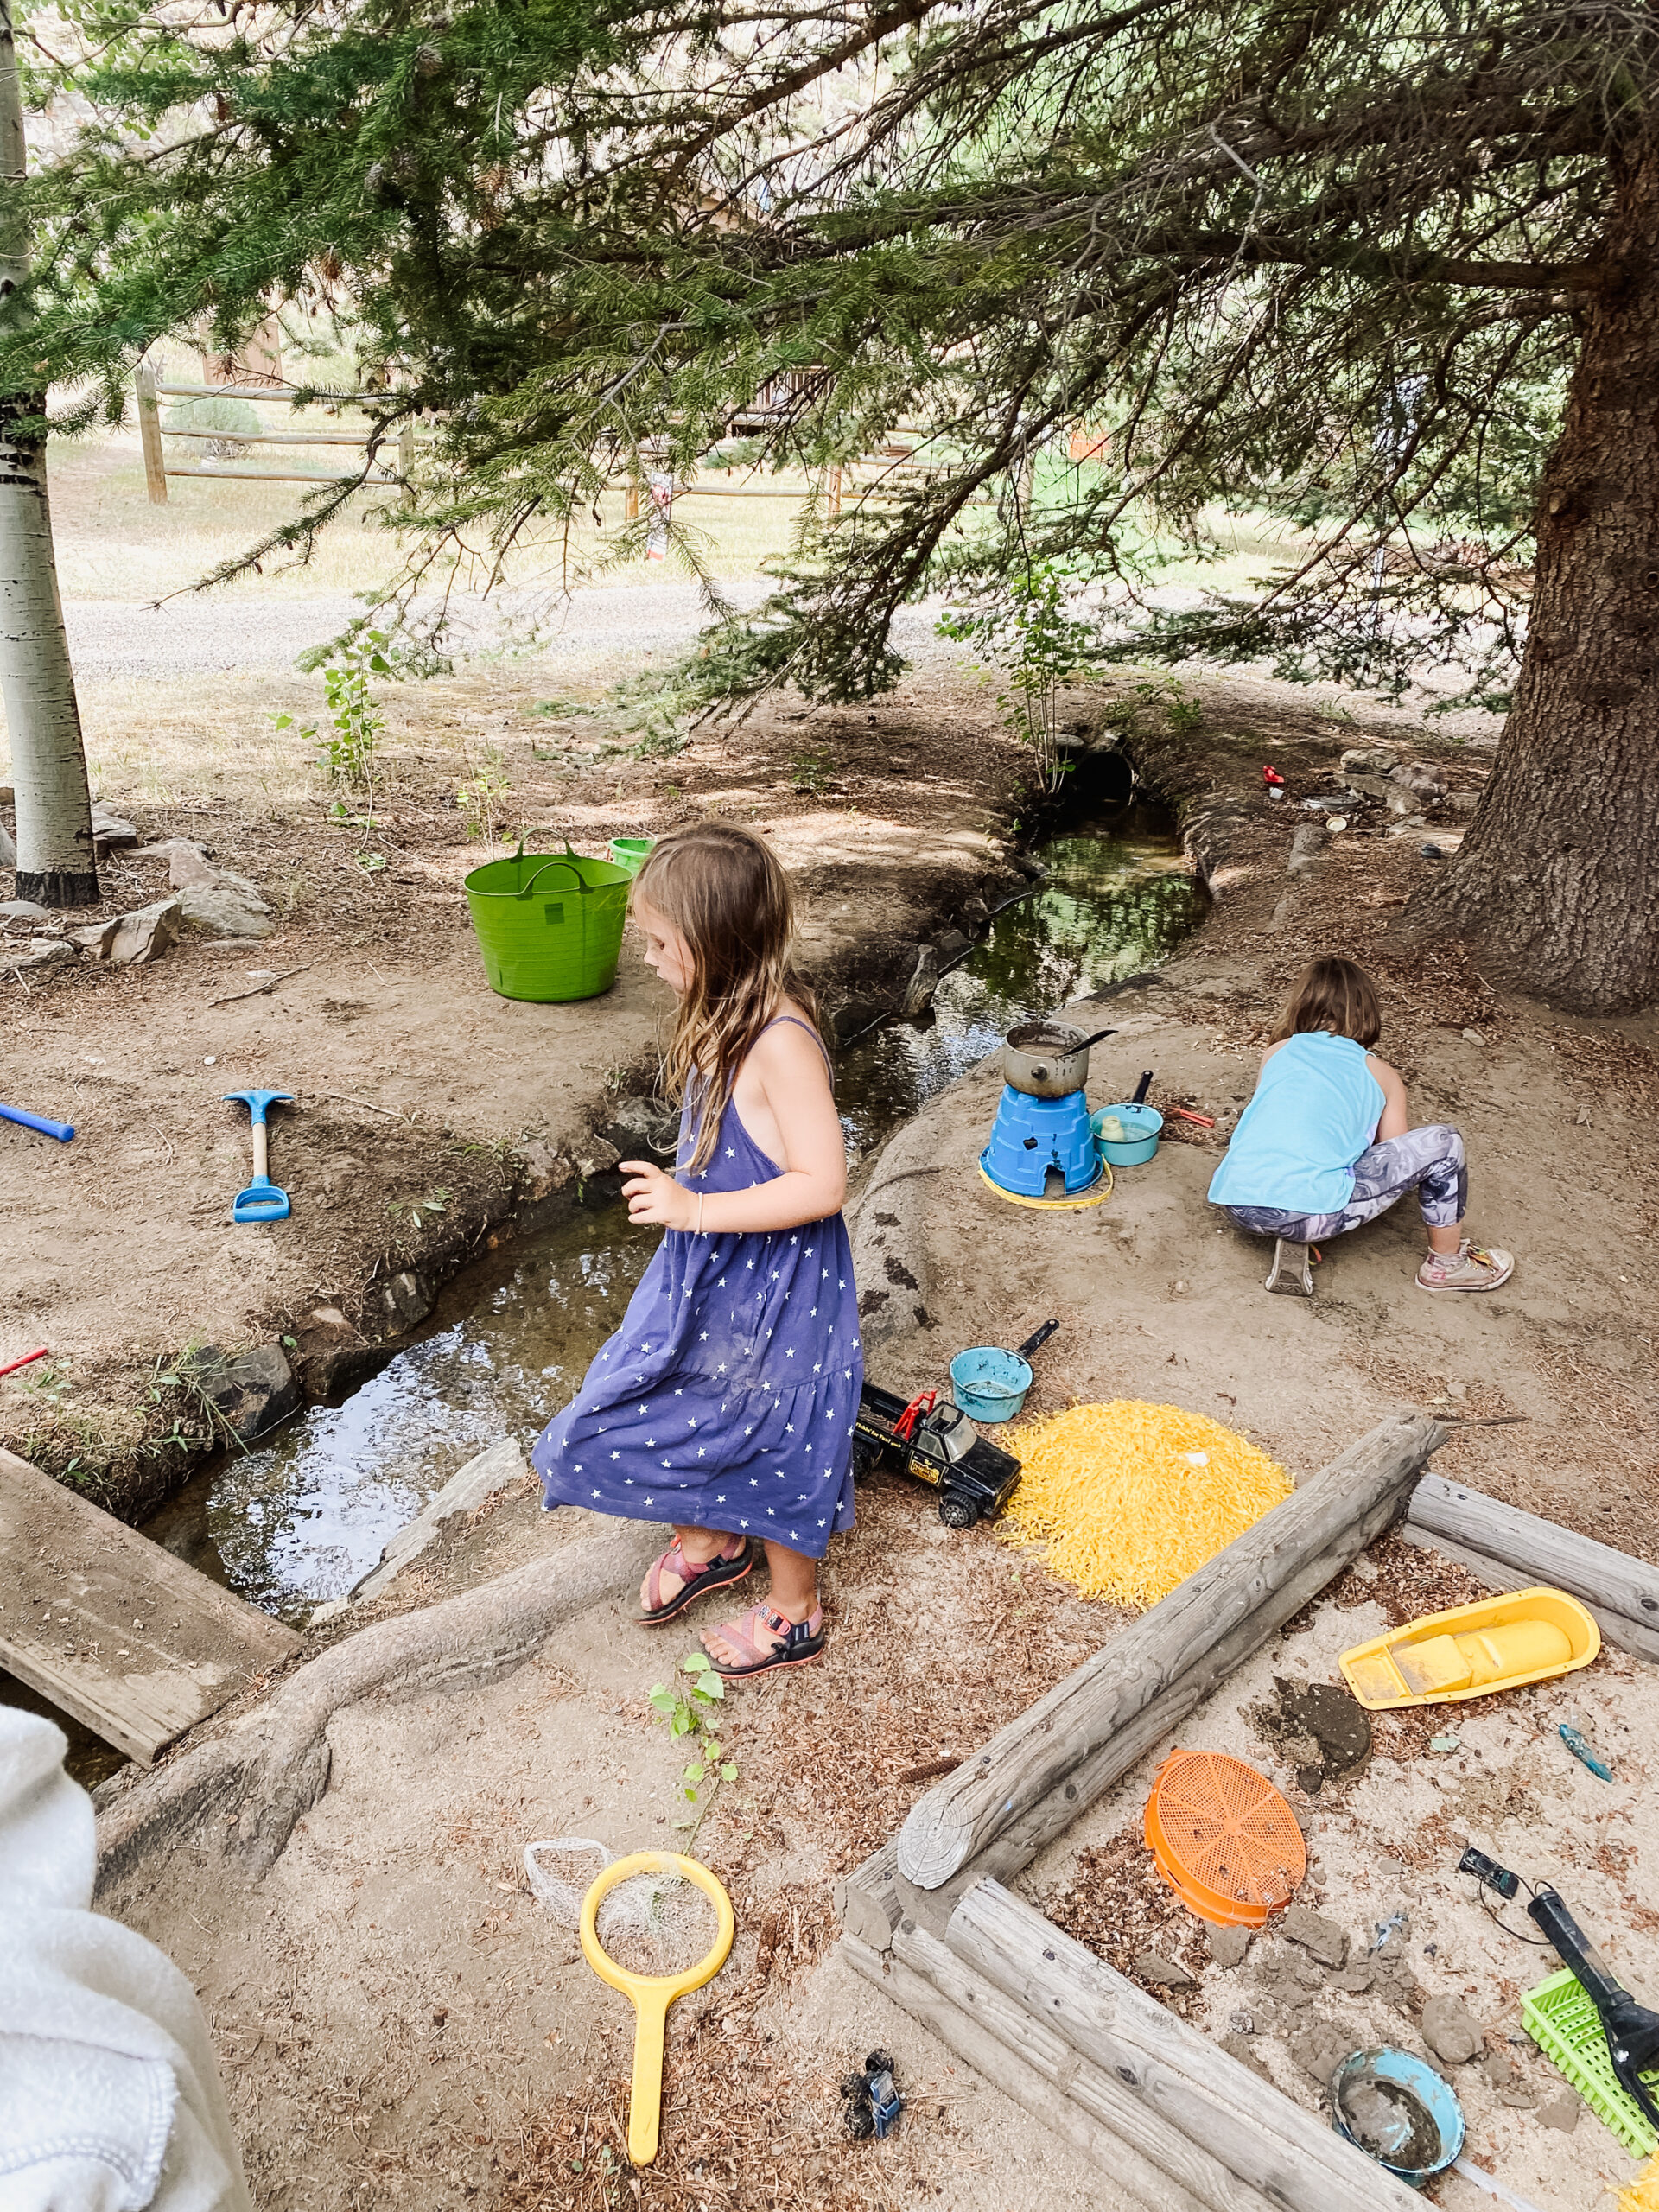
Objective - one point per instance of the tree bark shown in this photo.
(56, 862)
(1556, 887)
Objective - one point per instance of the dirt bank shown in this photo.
(431, 1118)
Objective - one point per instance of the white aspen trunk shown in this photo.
(56, 863)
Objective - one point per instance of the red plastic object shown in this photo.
(1271, 776)
(27, 1360)
(1204, 1121)
(905, 1424)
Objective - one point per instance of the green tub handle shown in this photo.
(542, 871)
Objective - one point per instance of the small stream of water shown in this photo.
(306, 1517)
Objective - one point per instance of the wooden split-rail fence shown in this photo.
(392, 463)
(882, 474)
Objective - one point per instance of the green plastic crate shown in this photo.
(1562, 2022)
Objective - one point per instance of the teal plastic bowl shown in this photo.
(1410, 2120)
(1146, 1121)
(989, 1384)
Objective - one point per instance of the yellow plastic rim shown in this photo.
(651, 1994)
(1094, 1196)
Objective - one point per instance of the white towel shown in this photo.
(109, 2101)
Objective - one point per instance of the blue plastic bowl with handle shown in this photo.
(990, 1384)
(1145, 1121)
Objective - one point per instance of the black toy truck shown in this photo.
(939, 1445)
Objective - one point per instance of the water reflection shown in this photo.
(1118, 899)
(307, 1518)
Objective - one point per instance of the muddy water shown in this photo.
(306, 1518)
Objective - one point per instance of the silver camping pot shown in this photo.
(1047, 1059)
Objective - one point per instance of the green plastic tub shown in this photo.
(549, 925)
(630, 851)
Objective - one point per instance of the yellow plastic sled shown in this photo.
(1498, 1644)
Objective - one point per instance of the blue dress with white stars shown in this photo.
(726, 1398)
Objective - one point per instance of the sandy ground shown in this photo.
(427, 1108)
(1383, 1842)
(1158, 1299)
(401, 2021)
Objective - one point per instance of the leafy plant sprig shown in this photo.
(688, 1709)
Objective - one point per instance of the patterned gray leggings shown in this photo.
(1429, 1160)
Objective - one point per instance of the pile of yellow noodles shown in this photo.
(1129, 1499)
(1643, 2194)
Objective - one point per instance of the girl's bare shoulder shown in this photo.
(788, 1038)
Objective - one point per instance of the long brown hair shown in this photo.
(725, 890)
(1336, 995)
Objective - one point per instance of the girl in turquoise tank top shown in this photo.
(1325, 1143)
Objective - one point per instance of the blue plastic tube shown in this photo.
(61, 1130)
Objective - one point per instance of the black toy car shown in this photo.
(872, 2099)
(939, 1445)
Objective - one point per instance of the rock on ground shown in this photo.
(253, 1391)
(1327, 1941)
(1451, 2030)
(133, 939)
(230, 907)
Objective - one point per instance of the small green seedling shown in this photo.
(689, 1709)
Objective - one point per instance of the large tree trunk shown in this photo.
(56, 863)
(1557, 883)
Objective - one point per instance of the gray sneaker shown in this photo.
(1474, 1267)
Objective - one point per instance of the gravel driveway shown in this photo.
(214, 635)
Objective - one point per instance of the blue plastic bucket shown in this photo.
(1145, 1121)
(1430, 2146)
(989, 1384)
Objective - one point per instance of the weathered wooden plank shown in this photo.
(873, 1898)
(1624, 1634)
(111, 1627)
(1292, 2157)
(1184, 1645)
(1541, 1551)
(1040, 2071)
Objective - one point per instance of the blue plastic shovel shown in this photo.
(262, 1200)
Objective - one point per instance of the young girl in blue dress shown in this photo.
(1326, 1142)
(725, 1403)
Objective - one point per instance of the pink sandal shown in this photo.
(697, 1576)
(802, 1640)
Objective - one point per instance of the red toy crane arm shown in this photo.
(905, 1427)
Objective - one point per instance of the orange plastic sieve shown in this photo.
(1225, 1839)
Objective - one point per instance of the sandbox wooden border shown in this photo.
(1173, 2117)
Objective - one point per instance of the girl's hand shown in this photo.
(652, 1196)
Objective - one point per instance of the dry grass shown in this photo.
(113, 544)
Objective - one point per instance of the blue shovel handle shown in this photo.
(262, 1200)
(61, 1130)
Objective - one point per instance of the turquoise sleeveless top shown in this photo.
(1315, 1111)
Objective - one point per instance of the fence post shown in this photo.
(149, 435)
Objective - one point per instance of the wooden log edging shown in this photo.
(1088, 2108)
(1511, 1550)
(1290, 2157)
(1072, 1744)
